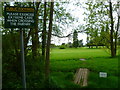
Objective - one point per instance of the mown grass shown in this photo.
(65, 62)
(77, 53)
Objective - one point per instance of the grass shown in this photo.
(77, 53)
(64, 63)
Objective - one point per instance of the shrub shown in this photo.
(62, 47)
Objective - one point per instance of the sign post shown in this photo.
(22, 58)
(20, 17)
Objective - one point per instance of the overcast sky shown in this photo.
(76, 12)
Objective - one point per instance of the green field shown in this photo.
(65, 62)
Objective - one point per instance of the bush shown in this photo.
(69, 76)
(53, 83)
(62, 47)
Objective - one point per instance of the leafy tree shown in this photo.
(100, 24)
(96, 21)
(113, 32)
(47, 62)
(44, 33)
(80, 43)
(46, 26)
(11, 45)
(75, 39)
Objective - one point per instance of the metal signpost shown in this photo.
(20, 17)
(22, 58)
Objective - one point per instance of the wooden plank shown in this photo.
(76, 78)
(76, 73)
(87, 72)
(85, 76)
(81, 76)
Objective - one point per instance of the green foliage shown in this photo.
(97, 23)
(64, 62)
(80, 43)
(34, 72)
(69, 76)
(62, 80)
(62, 47)
(11, 62)
(75, 39)
(53, 83)
(61, 18)
(10, 79)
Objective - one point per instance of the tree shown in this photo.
(80, 42)
(101, 25)
(11, 39)
(47, 62)
(118, 26)
(111, 31)
(75, 39)
(45, 27)
(35, 38)
(97, 22)
(44, 33)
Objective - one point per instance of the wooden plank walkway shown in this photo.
(81, 76)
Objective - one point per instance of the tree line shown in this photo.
(100, 28)
(102, 24)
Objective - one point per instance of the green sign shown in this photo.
(19, 17)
